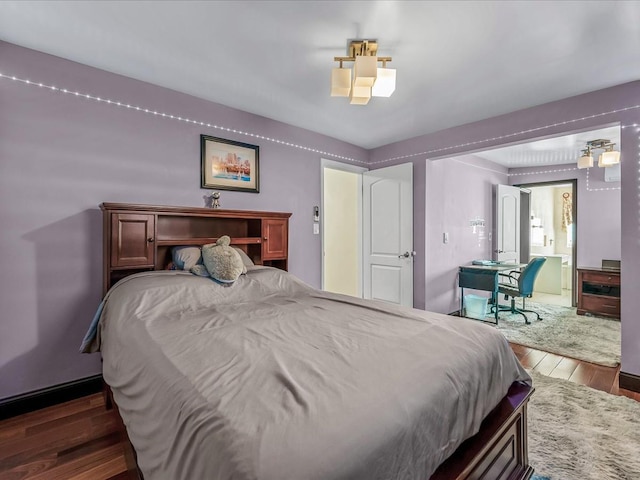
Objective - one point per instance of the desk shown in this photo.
(483, 277)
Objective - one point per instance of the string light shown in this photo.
(180, 118)
(599, 189)
(537, 172)
(508, 135)
(322, 152)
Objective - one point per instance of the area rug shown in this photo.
(578, 433)
(562, 331)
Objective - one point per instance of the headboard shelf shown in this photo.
(139, 237)
(205, 240)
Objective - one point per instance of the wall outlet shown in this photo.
(445, 237)
(316, 229)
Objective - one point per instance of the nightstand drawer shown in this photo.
(598, 304)
(601, 278)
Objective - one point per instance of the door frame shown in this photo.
(498, 213)
(345, 167)
(574, 212)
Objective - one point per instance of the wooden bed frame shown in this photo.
(497, 452)
(139, 238)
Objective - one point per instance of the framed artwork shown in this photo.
(229, 165)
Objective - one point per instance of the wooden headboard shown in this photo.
(138, 238)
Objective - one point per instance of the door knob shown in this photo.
(150, 239)
(407, 255)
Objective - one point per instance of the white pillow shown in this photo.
(245, 258)
(185, 258)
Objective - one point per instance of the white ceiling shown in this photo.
(551, 151)
(457, 62)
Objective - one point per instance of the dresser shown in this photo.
(599, 292)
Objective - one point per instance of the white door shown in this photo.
(388, 234)
(507, 221)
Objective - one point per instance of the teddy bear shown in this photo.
(221, 262)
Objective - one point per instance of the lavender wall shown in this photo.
(458, 190)
(61, 155)
(616, 105)
(599, 211)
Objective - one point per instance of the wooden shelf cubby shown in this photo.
(139, 238)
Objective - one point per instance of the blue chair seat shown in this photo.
(523, 288)
(508, 289)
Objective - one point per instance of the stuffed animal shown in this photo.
(221, 262)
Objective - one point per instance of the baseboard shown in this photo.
(46, 397)
(629, 381)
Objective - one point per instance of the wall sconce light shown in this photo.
(367, 80)
(586, 160)
(607, 158)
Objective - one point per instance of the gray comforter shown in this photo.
(271, 379)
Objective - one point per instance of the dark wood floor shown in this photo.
(75, 440)
(79, 440)
(557, 366)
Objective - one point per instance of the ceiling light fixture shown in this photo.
(607, 158)
(366, 80)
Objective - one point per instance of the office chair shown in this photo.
(523, 287)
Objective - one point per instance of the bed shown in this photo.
(272, 379)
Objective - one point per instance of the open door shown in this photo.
(507, 224)
(388, 234)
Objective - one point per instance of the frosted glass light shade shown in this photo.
(608, 159)
(385, 83)
(360, 95)
(359, 100)
(585, 161)
(365, 71)
(340, 82)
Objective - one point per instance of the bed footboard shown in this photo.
(499, 450)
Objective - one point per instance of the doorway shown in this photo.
(367, 231)
(341, 221)
(551, 233)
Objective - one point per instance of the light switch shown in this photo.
(316, 229)
(445, 237)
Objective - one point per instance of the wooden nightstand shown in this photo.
(599, 292)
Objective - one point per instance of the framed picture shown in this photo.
(229, 165)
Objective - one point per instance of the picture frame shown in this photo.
(229, 165)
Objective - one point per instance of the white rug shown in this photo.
(578, 433)
(562, 331)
